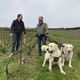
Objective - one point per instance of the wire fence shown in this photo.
(28, 43)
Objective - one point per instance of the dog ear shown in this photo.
(63, 45)
(72, 46)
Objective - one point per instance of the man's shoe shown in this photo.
(17, 51)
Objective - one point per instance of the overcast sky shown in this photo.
(57, 13)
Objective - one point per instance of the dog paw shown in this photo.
(43, 65)
(50, 70)
(70, 66)
(63, 72)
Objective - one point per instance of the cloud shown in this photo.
(57, 13)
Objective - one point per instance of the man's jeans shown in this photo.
(41, 39)
(15, 41)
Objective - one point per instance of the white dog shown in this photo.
(52, 53)
(67, 49)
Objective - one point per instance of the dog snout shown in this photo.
(69, 51)
(47, 49)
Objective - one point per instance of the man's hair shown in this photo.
(41, 17)
(19, 15)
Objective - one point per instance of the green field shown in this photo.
(32, 68)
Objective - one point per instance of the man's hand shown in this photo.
(11, 34)
(46, 34)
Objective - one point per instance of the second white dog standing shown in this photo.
(67, 49)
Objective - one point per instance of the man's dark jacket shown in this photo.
(17, 27)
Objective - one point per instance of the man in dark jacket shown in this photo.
(42, 31)
(17, 28)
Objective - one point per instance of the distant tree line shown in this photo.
(34, 29)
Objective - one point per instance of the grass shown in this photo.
(32, 69)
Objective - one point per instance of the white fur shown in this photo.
(56, 53)
(68, 53)
(44, 48)
(53, 47)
